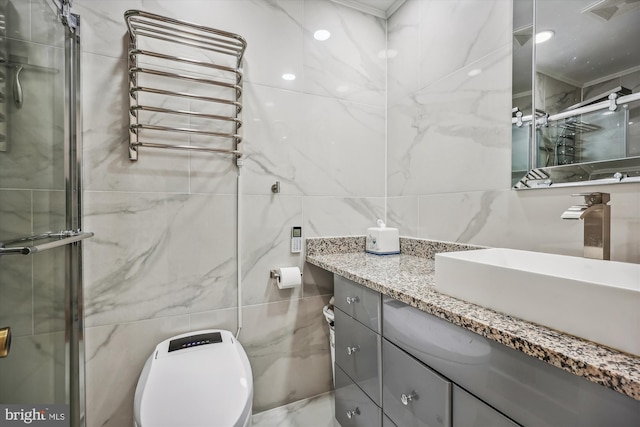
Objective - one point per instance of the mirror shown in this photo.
(576, 96)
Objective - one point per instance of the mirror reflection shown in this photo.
(578, 120)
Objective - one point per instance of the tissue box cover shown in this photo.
(382, 241)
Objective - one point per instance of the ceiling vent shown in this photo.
(605, 10)
(524, 34)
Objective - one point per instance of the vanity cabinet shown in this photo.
(353, 407)
(496, 383)
(413, 394)
(398, 366)
(469, 411)
(359, 302)
(358, 354)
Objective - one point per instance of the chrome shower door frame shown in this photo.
(74, 313)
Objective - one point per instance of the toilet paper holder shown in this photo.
(287, 277)
(275, 275)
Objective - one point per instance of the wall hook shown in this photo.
(275, 188)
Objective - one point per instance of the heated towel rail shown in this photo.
(184, 79)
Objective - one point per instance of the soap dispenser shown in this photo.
(382, 240)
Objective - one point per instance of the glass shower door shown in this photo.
(39, 208)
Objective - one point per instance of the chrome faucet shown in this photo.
(596, 214)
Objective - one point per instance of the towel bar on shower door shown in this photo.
(63, 238)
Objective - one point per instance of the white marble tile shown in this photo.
(49, 297)
(46, 27)
(35, 370)
(403, 44)
(266, 245)
(115, 355)
(529, 220)
(107, 166)
(338, 216)
(317, 411)
(351, 64)
(344, 149)
(312, 145)
(553, 96)
(158, 255)
(535, 224)
(317, 281)
(15, 213)
(402, 213)
(34, 156)
(49, 211)
(288, 347)
(454, 34)
(274, 140)
(103, 27)
(18, 20)
(215, 319)
(272, 29)
(16, 288)
(535, 218)
(479, 217)
(453, 136)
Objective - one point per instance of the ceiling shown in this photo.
(594, 40)
(380, 8)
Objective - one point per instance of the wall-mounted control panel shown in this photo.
(296, 240)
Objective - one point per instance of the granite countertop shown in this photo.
(409, 277)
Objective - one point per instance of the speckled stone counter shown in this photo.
(409, 277)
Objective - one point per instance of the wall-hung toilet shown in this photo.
(198, 379)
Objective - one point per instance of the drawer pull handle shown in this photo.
(352, 413)
(406, 399)
(352, 350)
(352, 300)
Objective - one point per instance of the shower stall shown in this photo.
(41, 331)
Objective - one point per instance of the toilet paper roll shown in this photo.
(290, 277)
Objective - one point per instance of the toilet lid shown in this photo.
(196, 386)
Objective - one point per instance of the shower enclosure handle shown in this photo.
(5, 341)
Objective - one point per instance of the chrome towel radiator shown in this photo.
(185, 86)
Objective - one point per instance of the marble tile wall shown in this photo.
(449, 139)
(163, 260)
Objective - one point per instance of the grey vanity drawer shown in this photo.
(359, 302)
(469, 411)
(353, 406)
(358, 354)
(527, 390)
(413, 394)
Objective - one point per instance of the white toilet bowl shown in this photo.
(198, 379)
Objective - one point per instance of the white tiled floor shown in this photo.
(313, 412)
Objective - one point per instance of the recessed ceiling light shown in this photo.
(474, 72)
(321, 35)
(288, 76)
(543, 36)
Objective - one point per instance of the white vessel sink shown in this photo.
(592, 299)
